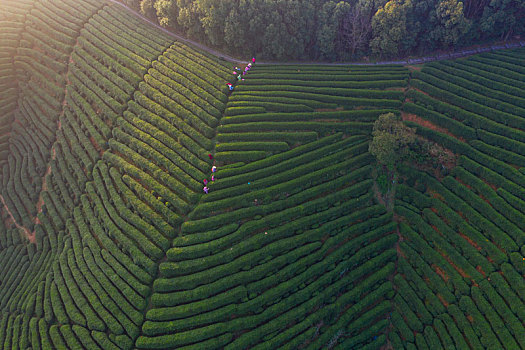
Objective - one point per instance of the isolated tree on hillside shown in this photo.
(391, 140)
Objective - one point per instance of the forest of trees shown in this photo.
(337, 30)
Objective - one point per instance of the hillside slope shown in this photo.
(103, 170)
(81, 84)
(462, 255)
(284, 241)
(108, 241)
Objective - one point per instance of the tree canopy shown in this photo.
(391, 139)
(337, 30)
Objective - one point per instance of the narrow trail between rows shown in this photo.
(419, 60)
(31, 237)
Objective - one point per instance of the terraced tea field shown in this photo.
(107, 240)
(462, 266)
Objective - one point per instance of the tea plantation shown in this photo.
(108, 127)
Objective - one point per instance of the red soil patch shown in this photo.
(412, 68)
(437, 196)
(458, 269)
(480, 270)
(423, 92)
(329, 109)
(440, 272)
(485, 199)
(494, 187)
(464, 184)
(96, 145)
(400, 252)
(470, 318)
(427, 124)
(471, 242)
(443, 301)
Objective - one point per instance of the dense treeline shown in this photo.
(337, 30)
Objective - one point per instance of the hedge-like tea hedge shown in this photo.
(107, 128)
